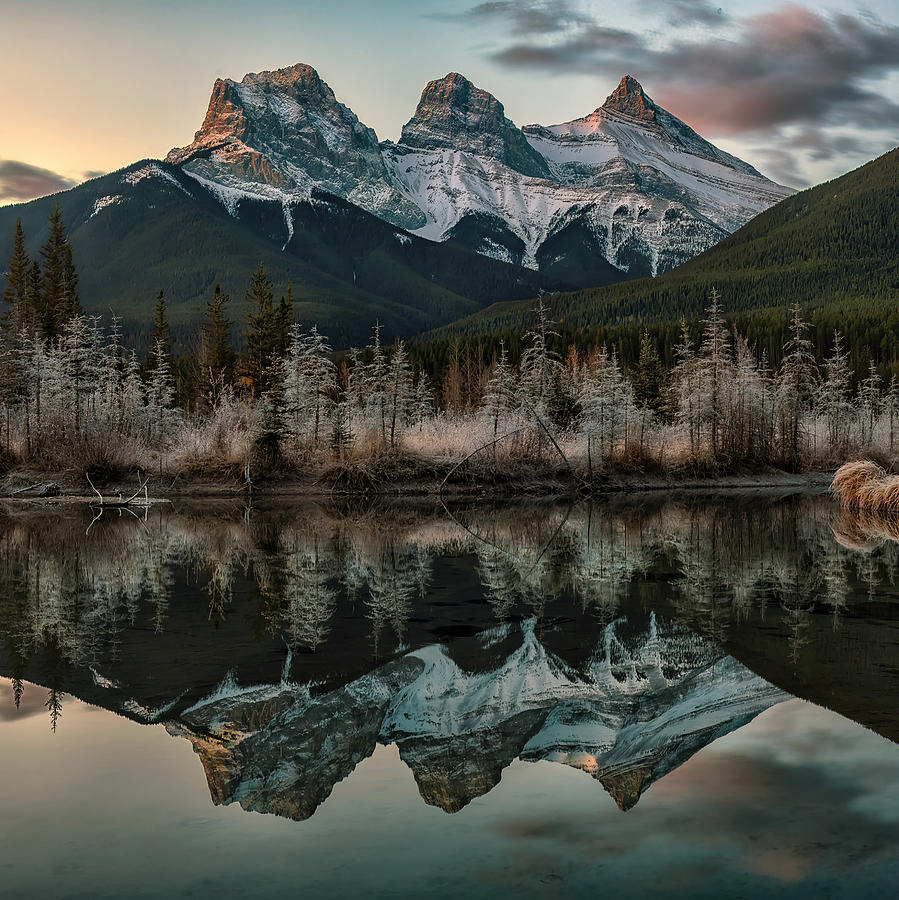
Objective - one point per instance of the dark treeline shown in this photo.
(867, 335)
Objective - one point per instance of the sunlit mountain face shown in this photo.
(287, 644)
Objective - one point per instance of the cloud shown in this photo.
(523, 18)
(751, 76)
(781, 165)
(21, 181)
(687, 12)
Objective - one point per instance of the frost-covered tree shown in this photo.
(607, 404)
(308, 387)
(796, 387)
(499, 405)
(373, 387)
(538, 361)
(160, 394)
(685, 380)
(833, 401)
(869, 395)
(714, 373)
(400, 393)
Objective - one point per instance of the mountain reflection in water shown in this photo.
(286, 644)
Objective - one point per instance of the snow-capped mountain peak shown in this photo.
(627, 190)
(455, 114)
(279, 134)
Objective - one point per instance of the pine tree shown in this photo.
(216, 355)
(16, 293)
(34, 293)
(284, 322)
(263, 336)
(161, 332)
(57, 300)
(649, 380)
(160, 380)
(71, 306)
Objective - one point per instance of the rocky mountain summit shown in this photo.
(280, 134)
(453, 114)
(627, 190)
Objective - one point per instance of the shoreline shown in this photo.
(59, 489)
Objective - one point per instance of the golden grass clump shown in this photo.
(856, 484)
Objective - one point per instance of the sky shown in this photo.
(803, 92)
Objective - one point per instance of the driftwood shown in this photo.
(462, 462)
(120, 501)
(41, 485)
(543, 427)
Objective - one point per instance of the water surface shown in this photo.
(683, 697)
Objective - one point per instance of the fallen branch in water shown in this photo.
(475, 453)
(120, 501)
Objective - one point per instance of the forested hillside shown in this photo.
(150, 227)
(834, 249)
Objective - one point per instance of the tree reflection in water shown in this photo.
(618, 637)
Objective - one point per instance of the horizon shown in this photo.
(830, 104)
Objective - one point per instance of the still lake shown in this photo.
(645, 696)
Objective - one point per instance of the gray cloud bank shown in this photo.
(749, 77)
(21, 181)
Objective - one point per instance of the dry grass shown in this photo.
(864, 529)
(217, 447)
(864, 484)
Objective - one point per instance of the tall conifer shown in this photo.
(58, 301)
(15, 295)
(262, 335)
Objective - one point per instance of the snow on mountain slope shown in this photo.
(629, 187)
(649, 191)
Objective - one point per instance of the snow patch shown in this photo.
(150, 715)
(103, 202)
(151, 170)
(102, 682)
(288, 221)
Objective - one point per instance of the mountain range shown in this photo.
(628, 188)
(464, 210)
